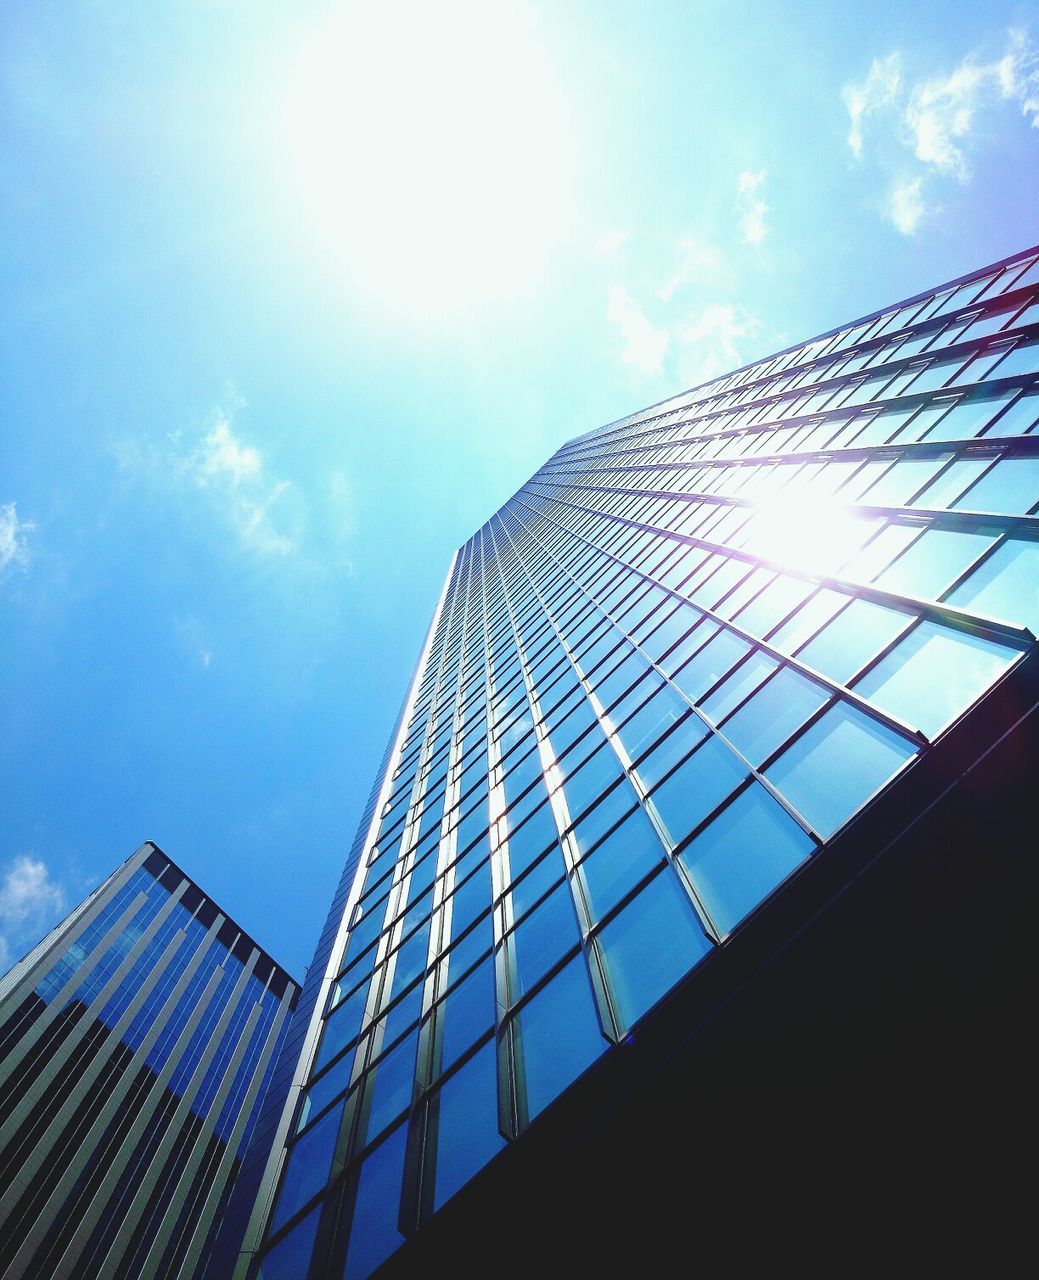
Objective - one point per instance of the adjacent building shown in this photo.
(137, 1041)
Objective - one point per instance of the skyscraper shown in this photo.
(136, 1042)
(698, 843)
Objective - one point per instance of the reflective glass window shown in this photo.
(652, 943)
(627, 854)
(696, 787)
(778, 708)
(935, 559)
(467, 1129)
(1006, 586)
(933, 674)
(743, 854)
(289, 1258)
(376, 1209)
(559, 1035)
(307, 1166)
(837, 765)
(466, 1013)
(857, 634)
(539, 941)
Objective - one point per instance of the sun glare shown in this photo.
(429, 147)
(817, 537)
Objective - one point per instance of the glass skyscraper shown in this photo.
(136, 1042)
(706, 665)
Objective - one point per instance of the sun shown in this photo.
(429, 150)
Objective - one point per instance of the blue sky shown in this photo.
(296, 295)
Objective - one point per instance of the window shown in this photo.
(933, 674)
(696, 787)
(837, 765)
(559, 1036)
(652, 943)
(467, 1133)
(740, 857)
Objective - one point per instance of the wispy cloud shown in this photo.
(645, 344)
(934, 118)
(750, 207)
(906, 206)
(698, 262)
(13, 534)
(229, 477)
(710, 341)
(234, 471)
(31, 902)
(879, 89)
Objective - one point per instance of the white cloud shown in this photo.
(710, 341)
(222, 457)
(906, 206)
(697, 261)
(609, 243)
(935, 117)
(234, 471)
(878, 90)
(750, 208)
(12, 536)
(30, 903)
(941, 111)
(645, 344)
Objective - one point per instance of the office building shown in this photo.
(136, 1042)
(700, 850)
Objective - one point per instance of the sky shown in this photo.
(295, 296)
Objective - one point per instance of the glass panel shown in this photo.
(466, 1013)
(376, 1209)
(773, 713)
(837, 765)
(710, 664)
(290, 1258)
(739, 685)
(935, 559)
(697, 787)
(934, 674)
(467, 1129)
(307, 1166)
(1012, 486)
(1006, 586)
(541, 939)
(559, 1035)
(738, 860)
(852, 638)
(389, 1085)
(624, 857)
(654, 941)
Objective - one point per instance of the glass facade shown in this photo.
(136, 1043)
(670, 670)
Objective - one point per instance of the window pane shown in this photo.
(307, 1166)
(466, 1013)
(541, 939)
(624, 857)
(389, 1085)
(696, 787)
(1006, 586)
(834, 768)
(654, 941)
(467, 1128)
(1012, 486)
(855, 636)
(934, 674)
(559, 1035)
(935, 559)
(376, 1208)
(289, 1258)
(738, 685)
(751, 847)
(773, 713)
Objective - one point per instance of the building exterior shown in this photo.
(698, 844)
(136, 1042)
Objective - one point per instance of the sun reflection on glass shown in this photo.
(816, 537)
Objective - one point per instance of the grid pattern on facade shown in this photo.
(134, 1051)
(678, 662)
